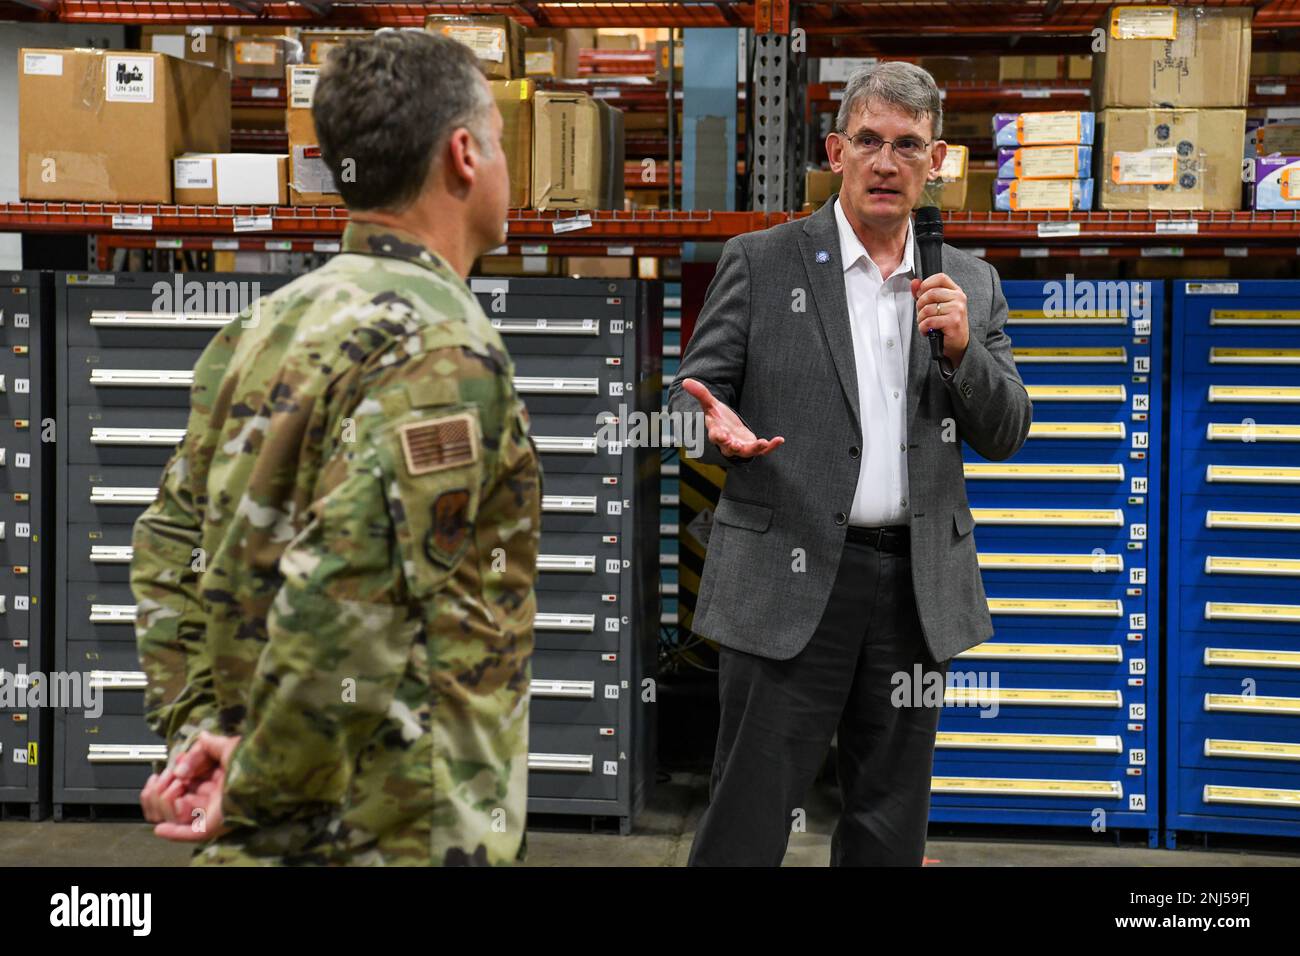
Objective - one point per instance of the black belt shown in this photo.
(896, 539)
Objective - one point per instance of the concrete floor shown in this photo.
(663, 838)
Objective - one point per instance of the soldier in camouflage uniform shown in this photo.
(339, 567)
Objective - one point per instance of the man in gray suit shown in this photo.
(841, 554)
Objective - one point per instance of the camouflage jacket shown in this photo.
(339, 567)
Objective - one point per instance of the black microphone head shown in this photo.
(928, 224)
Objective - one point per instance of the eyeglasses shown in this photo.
(907, 148)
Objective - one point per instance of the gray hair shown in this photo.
(903, 85)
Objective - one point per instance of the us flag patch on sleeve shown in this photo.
(436, 444)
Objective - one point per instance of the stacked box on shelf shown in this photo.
(588, 356)
(126, 344)
(1233, 719)
(1044, 160)
(1062, 531)
(26, 625)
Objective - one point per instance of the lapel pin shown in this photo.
(823, 255)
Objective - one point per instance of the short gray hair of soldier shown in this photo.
(905, 86)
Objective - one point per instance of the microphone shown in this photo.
(928, 229)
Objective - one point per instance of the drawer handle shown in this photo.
(565, 445)
(567, 563)
(122, 496)
(119, 680)
(582, 623)
(111, 553)
(160, 320)
(563, 763)
(112, 614)
(587, 327)
(569, 504)
(136, 436)
(142, 378)
(526, 385)
(126, 753)
(570, 689)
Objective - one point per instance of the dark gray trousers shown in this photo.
(778, 718)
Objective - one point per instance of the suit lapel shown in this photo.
(821, 239)
(919, 361)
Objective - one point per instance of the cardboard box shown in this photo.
(1044, 162)
(1174, 56)
(1274, 63)
(598, 267)
(520, 266)
(577, 152)
(1014, 195)
(310, 181)
(1028, 68)
(318, 44)
(979, 188)
(198, 44)
(514, 99)
(819, 185)
(1171, 159)
(103, 126)
(541, 57)
(568, 44)
(960, 69)
(230, 179)
(263, 58)
(1078, 67)
(618, 41)
(497, 41)
(1278, 139)
(1277, 183)
(967, 127)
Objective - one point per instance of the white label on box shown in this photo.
(256, 52)
(1144, 23)
(132, 221)
(43, 64)
(193, 173)
(488, 43)
(1144, 167)
(1057, 229)
(1179, 226)
(128, 79)
(173, 44)
(1042, 194)
(1048, 162)
(1047, 128)
(252, 223)
(302, 86)
(534, 263)
(1211, 288)
(954, 163)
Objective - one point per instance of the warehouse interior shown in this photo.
(1131, 172)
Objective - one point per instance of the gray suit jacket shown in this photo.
(779, 527)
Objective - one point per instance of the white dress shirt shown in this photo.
(881, 313)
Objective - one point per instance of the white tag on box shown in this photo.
(128, 79)
(43, 64)
(193, 172)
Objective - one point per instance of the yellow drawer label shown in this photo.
(1066, 317)
(1098, 563)
(1077, 393)
(1289, 567)
(1230, 611)
(1240, 703)
(1077, 430)
(1226, 431)
(1258, 520)
(1258, 749)
(1242, 657)
(1106, 517)
(997, 650)
(1220, 355)
(1253, 474)
(1274, 394)
(1255, 796)
(1028, 788)
(1254, 317)
(1044, 472)
(1032, 696)
(1065, 353)
(1067, 743)
(1072, 606)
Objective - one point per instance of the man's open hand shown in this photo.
(725, 428)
